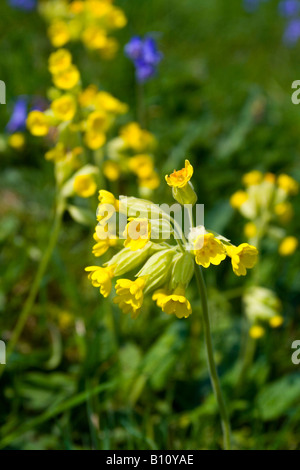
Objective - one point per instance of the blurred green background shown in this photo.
(86, 376)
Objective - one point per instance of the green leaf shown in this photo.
(276, 399)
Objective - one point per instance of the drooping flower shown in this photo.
(59, 61)
(102, 245)
(66, 79)
(37, 123)
(288, 184)
(101, 277)
(85, 185)
(176, 303)
(243, 257)
(137, 233)
(208, 250)
(64, 108)
(130, 295)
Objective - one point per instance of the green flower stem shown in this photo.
(211, 362)
(27, 309)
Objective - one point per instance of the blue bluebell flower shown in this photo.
(26, 5)
(292, 32)
(289, 7)
(17, 120)
(145, 56)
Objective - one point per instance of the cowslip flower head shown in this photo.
(243, 257)
(130, 295)
(137, 233)
(102, 278)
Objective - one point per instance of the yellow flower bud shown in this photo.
(256, 331)
(288, 246)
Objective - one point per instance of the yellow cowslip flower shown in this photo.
(111, 170)
(180, 178)
(176, 303)
(98, 8)
(130, 295)
(64, 108)
(105, 197)
(106, 102)
(212, 250)
(252, 178)
(97, 123)
(141, 165)
(76, 7)
(243, 257)
(102, 245)
(101, 277)
(85, 185)
(270, 178)
(59, 33)
(238, 199)
(288, 184)
(37, 123)
(94, 37)
(59, 61)
(256, 331)
(116, 18)
(159, 295)
(288, 246)
(250, 230)
(151, 182)
(137, 233)
(285, 211)
(57, 154)
(276, 321)
(87, 97)
(67, 78)
(16, 140)
(136, 138)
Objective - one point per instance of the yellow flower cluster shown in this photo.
(262, 307)
(133, 152)
(89, 21)
(265, 203)
(153, 241)
(75, 117)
